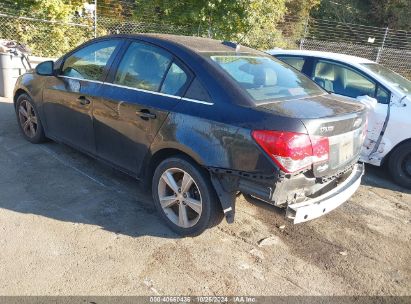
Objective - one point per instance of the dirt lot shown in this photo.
(70, 225)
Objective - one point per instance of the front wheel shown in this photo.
(29, 120)
(399, 165)
(184, 197)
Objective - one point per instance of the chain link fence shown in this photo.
(383, 45)
(53, 38)
(112, 26)
(44, 38)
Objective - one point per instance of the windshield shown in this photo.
(390, 76)
(265, 78)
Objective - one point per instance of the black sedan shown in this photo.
(199, 120)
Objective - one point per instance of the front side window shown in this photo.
(90, 61)
(342, 80)
(265, 78)
(143, 67)
(295, 62)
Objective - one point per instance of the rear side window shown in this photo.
(197, 91)
(295, 62)
(343, 80)
(90, 61)
(175, 80)
(143, 67)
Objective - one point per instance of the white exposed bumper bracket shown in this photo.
(316, 207)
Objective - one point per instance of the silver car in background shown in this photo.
(386, 94)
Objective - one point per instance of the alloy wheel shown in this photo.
(180, 197)
(28, 119)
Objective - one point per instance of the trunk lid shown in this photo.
(343, 122)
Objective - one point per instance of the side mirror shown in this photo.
(45, 68)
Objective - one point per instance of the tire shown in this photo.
(399, 165)
(171, 206)
(28, 120)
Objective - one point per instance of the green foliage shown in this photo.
(260, 24)
(251, 22)
(297, 15)
(395, 14)
(392, 13)
(301, 8)
(51, 38)
(256, 23)
(48, 9)
(44, 39)
(347, 11)
(113, 9)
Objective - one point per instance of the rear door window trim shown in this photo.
(140, 90)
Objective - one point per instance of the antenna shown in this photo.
(233, 45)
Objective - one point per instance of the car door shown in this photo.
(347, 81)
(68, 98)
(145, 84)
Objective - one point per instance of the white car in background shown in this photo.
(386, 94)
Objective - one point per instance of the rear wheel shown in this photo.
(29, 120)
(399, 165)
(184, 197)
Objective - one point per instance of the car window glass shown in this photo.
(383, 96)
(265, 78)
(389, 76)
(90, 61)
(342, 80)
(295, 62)
(143, 67)
(197, 91)
(175, 80)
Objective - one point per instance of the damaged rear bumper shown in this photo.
(316, 207)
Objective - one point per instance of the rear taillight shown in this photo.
(292, 151)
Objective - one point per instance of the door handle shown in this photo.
(146, 115)
(83, 100)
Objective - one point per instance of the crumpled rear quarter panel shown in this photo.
(219, 135)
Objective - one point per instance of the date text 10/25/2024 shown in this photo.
(202, 299)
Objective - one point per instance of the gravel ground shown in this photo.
(70, 225)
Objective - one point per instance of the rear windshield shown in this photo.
(266, 79)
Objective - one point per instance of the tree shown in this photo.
(247, 21)
(345, 11)
(301, 8)
(52, 37)
(47, 9)
(395, 14)
(392, 13)
(298, 12)
(256, 23)
(114, 9)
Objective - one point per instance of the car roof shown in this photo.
(327, 55)
(194, 43)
